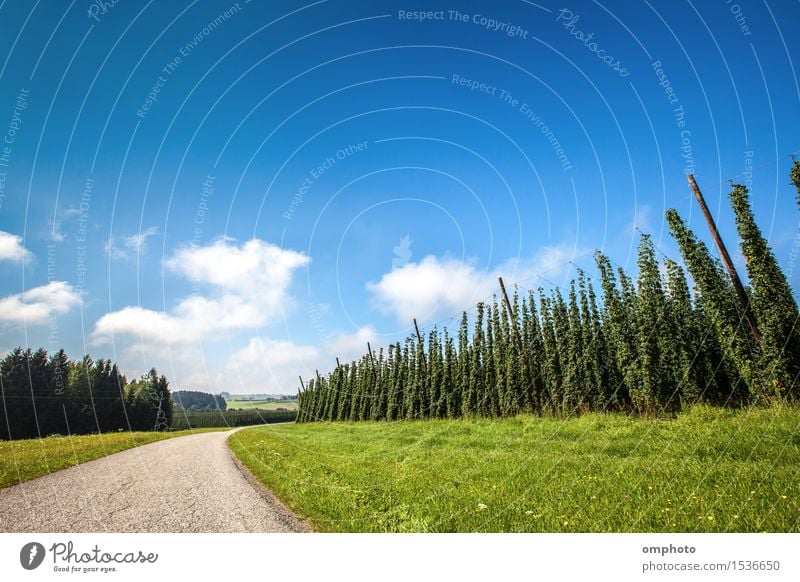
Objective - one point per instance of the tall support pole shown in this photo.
(422, 343)
(741, 294)
(302, 391)
(371, 359)
(511, 317)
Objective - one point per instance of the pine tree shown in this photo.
(59, 373)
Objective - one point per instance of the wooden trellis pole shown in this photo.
(422, 343)
(741, 294)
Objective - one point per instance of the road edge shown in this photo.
(284, 514)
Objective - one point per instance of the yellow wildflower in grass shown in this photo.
(481, 506)
(710, 518)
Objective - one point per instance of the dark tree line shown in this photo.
(191, 400)
(651, 346)
(44, 395)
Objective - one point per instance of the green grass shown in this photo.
(708, 470)
(27, 459)
(247, 404)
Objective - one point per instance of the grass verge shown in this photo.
(709, 470)
(23, 460)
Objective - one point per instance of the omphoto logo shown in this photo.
(31, 555)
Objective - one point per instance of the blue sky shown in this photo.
(237, 193)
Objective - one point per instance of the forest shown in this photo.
(649, 347)
(45, 395)
(191, 400)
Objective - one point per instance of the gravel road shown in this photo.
(184, 484)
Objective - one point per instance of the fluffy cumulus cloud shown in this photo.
(269, 365)
(431, 285)
(441, 287)
(130, 246)
(11, 248)
(351, 346)
(35, 306)
(248, 287)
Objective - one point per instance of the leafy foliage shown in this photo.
(193, 400)
(773, 304)
(44, 395)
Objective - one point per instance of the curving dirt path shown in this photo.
(184, 484)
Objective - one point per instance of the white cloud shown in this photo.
(351, 346)
(422, 289)
(269, 365)
(34, 306)
(249, 288)
(441, 287)
(61, 216)
(133, 245)
(11, 248)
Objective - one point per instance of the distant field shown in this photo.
(709, 470)
(230, 418)
(247, 404)
(27, 459)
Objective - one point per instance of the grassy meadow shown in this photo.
(23, 460)
(709, 470)
(262, 404)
